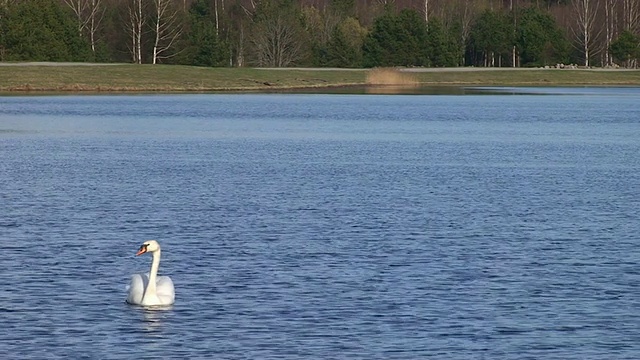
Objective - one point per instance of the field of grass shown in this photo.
(172, 78)
(534, 77)
(165, 78)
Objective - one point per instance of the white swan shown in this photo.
(149, 289)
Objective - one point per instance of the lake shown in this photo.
(498, 225)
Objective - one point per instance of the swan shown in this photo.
(150, 289)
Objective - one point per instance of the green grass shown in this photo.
(533, 77)
(165, 78)
(172, 78)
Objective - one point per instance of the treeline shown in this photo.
(332, 33)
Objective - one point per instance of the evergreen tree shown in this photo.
(492, 37)
(204, 46)
(345, 47)
(443, 48)
(42, 30)
(397, 40)
(539, 40)
(626, 49)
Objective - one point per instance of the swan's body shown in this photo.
(151, 289)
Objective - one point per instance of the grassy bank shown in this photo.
(164, 78)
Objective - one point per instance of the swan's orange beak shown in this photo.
(142, 250)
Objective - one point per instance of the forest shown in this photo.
(324, 33)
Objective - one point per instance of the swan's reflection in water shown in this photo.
(154, 318)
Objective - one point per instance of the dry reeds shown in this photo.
(389, 76)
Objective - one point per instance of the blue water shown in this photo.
(323, 226)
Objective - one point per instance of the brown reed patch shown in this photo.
(389, 76)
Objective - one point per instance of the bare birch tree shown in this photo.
(426, 11)
(585, 29)
(436, 8)
(238, 32)
(79, 8)
(514, 51)
(610, 29)
(167, 28)
(215, 8)
(136, 27)
(631, 15)
(96, 15)
(89, 14)
(240, 50)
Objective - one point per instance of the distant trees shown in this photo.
(278, 38)
(444, 46)
(89, 14)
(539, 40)
(397, 39)
(492, 38)
(137, 21)
(166, 28)
(626, 49)
(609, 7)
(585, 29)
(344, 48)
(41, 30)
(630, 15)
(341, 33)
(406, 39)
(203, 45)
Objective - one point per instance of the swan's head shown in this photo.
(148, 246)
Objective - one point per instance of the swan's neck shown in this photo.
(155, 264)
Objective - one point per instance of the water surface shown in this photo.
(323, 226)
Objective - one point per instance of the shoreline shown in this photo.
(41, 77)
